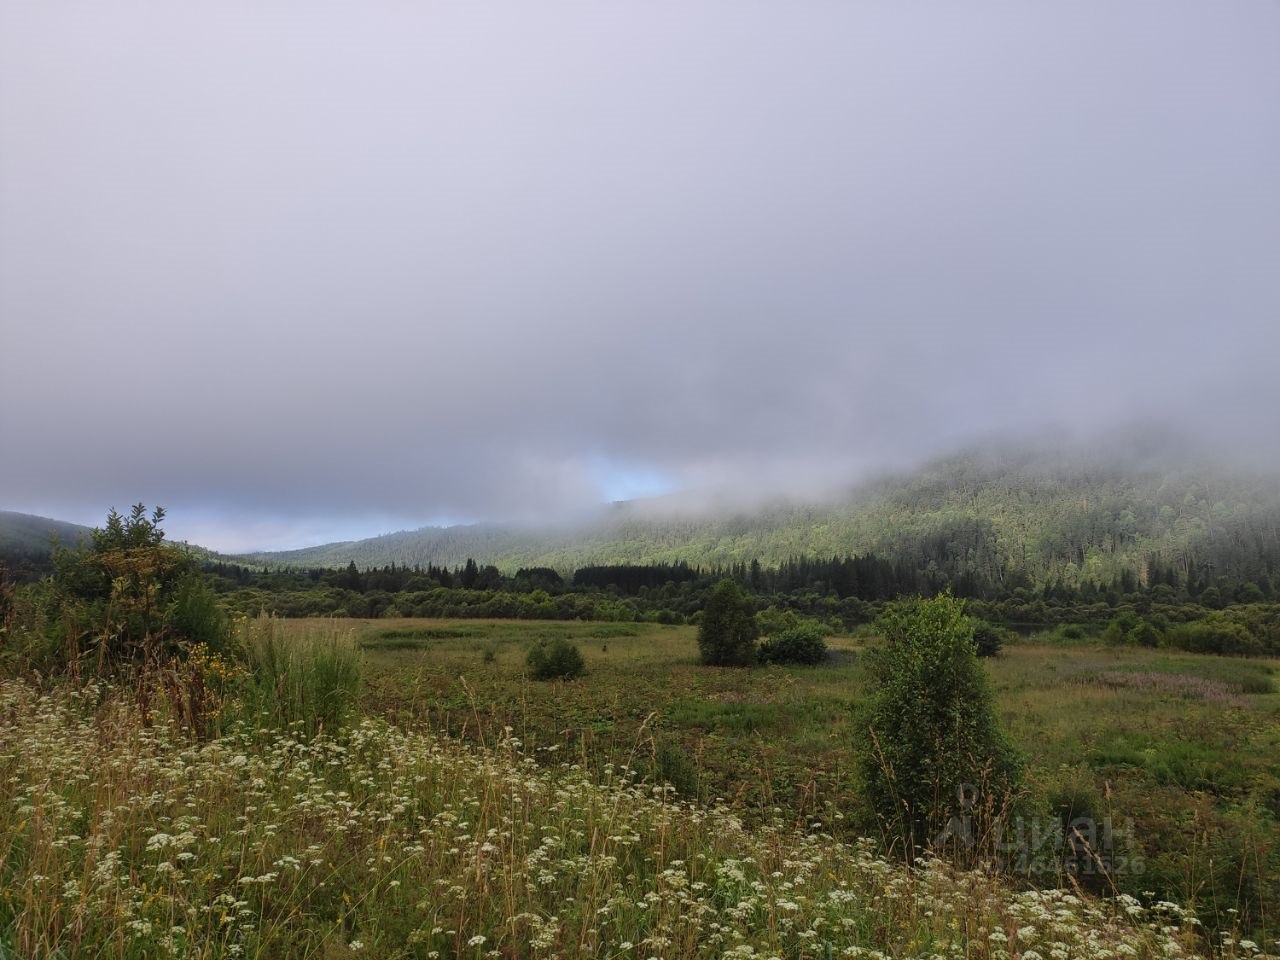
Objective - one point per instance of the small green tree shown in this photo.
(127, 598)
(935, 751)
(728, 631)
(988, 638)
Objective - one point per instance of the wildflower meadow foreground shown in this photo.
(123, 838)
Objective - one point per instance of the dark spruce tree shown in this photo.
(728, 632)
(470, 574)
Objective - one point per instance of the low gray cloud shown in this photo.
(305, 270)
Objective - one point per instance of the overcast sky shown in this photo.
(306, 271)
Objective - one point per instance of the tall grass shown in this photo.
(123, 838)
(304, 678)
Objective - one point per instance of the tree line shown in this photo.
(840, 592)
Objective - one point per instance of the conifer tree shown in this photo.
(727, 635)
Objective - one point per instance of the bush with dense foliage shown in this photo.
(934, 741)
(557, 660)
(988, 638)
(728, 631)
(804, 643)
(1127, 628)
(125, 598)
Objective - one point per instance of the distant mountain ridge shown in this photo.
(32, 535)
(1004, 515)
(26, 542)
(1034, 515)
(24, 533)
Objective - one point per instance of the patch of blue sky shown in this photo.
(617, 480)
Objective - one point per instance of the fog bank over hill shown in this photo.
(306, 272)
(1000, 513)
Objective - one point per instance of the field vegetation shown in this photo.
(121, 836)
(1181, 752)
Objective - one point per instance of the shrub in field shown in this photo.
(1217, 633)
(934, 738)
(309, 678)
(13, 631)
(988, 638)
(196, 615)
(728, 631)
(773, 620)
(1117, 631)
(805, 643)
(124, 599)
(1074, 796)
(557, 660)
(1145, 634)
(1127, 628)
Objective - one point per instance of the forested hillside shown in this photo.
(996, 518)
(26, 541)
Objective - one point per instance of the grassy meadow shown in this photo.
(1179, 752)
(653, 808)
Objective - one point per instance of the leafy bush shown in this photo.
(1120, 627)
(1127, 628)
(728, 630)
(1074, 796)
(557, 660)
(197, 616)
(805, 643)
(310, 678)
(124, 599)
(773, 620)
(1145, 634)
(988, 638)
(1217, 633)
(1077, 807)
(28, 641)
(932, 728)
